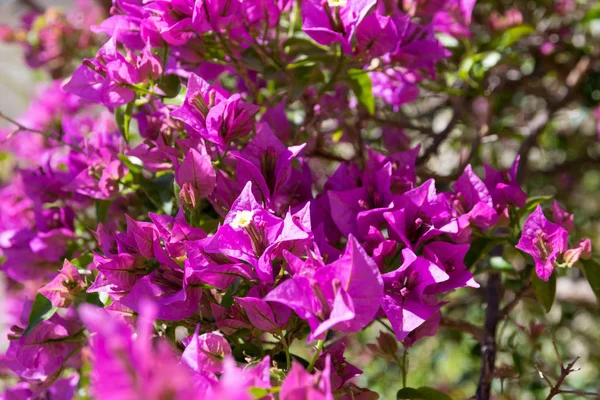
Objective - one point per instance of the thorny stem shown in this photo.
(320, 345)
(564, 372)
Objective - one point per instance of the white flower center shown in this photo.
(242, 219)
(337, 3)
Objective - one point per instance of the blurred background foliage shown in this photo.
(527, 83)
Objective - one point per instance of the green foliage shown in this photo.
(41, 311)
(545, 291)
(424, 393)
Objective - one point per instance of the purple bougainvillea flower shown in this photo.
(215, 115)
(175, 233)
(504, 188)
(175, 300)
(562, 217)
(64, 287)
(342, 370)
(473, 200)
(206, 352)
(61, 389)
(420, 216)
(376, 35)
(106, 79)
(354, 211)
(44, 350)
(196, 177)
(449, 257)
(333, 21)
(229, 120)
(300, 384)
(583, 250)
(131, 363)
(394, 87)
(266, 162)
(252, 234)
(544, 241)
(455, 18)
(199, 98)
(404, 301)
(338, 296)
(428, 328)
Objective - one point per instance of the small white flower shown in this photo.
(337, 3)
(242, 219)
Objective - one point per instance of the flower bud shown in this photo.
(387, 343)
(583, 250)
(188, 197)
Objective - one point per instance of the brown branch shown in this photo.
(106, 5)
(32, 5)
(438, 139)
(463, 326)
(580, 393)
(22, 128)
(564, 372)
(525, 290)
(537, 125)
(488, 345)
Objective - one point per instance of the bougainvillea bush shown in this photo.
(310, 199)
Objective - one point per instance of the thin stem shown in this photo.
(404, 367)
(564, 372)
(288, 358)
(580, 393)
(320, 345)
(22, 128)
(389, 328)
(513, 303)
(403, 364)
(463, 326)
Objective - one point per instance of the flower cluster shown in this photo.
(183, 180)
(53, 40)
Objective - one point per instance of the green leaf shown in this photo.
(433, 394)
(258, 392)
(102, 207)
(532, 203)
(592, 273)
(409, 393)
(545, 291)
(41, 310)
(179, 99)
(513, 35)
(424, 393)
(123, 118)
(82, 261)
(500, 263)
(134, 164)
(298, 45)
(479, 249)
(592, 14)
(169, 84)
(361, 85)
